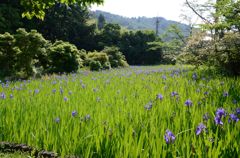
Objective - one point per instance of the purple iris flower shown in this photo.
(83, 86)
(169, 137)
(206, 93)
(238, 111)
(234, 101)
(218, 120)
(57, 120)
(36, 91)
(220, 112)
(194, 76)
(65, 99)
(54, 90)
(61, 90)
(3, 95)
(87, 117)
(148, 106)
(206, 117)
(98, 99)
(159, 96)
(11, 96)
(200, 128)
(74, 113)
(225, 94)
(174, 94)
(233, 117)
(188, 102)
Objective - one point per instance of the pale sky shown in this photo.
(169, 9)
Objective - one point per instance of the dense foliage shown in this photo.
(63, 57)
(37, 8)
(22, 53)
(25, 54)
(218, 45)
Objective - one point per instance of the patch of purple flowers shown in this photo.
(169, 137)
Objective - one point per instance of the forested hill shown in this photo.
(140, 23)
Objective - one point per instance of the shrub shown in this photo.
(21, 54)
(228, 53)
(8, 54)
(95, 65)
(98, 56)
(106, 66)
(223, 53)
(116, 58)
(64, 57)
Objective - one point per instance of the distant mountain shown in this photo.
(140, 23)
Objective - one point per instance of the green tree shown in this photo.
(101, 22)
(67, 23)
(138, 47)
(221, 50)
(8, 54)
(10, 16)
(110, 35)
(32, 48)
(37, 8)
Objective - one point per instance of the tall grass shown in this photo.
(117, 114)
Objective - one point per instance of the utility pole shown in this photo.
(157, 25)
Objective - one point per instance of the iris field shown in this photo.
(159, 111)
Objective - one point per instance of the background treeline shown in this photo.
(39, 47)
(141, 23)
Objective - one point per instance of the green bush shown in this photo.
(23, 54)
(33, 52)
(221, 53)
(98, 56)
(228, 53)
(8, 54)
(95, 65)
(64, 57)
(116, 58)
(106, 66)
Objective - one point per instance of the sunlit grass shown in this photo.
(113, 116)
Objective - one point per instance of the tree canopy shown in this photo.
(37, 8)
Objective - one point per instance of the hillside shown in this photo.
(140, 23)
